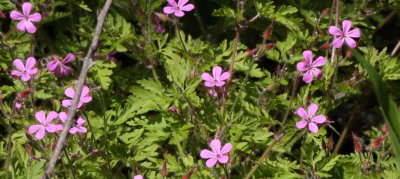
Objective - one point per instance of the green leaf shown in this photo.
(102, 72)
(389, 108)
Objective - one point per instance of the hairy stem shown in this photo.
(88, 62)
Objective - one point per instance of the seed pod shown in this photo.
(376, 143)
(164, 168)
(356, 141)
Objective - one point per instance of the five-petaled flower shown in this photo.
(345, 35)
(79, 124)
(138, 177)
(309, 119)
(26, 18)
(59, 67)
(178, 8)
(309, 68)
(44, 124)
(84, 98)
(26, 71)
(217, 79)
(217, 154)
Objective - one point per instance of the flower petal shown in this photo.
(302, 113)
(30, 63)
(66, 103)
(302, 66)
(346, 24)
(15, 15)
(172, 3)
(312, 109)
(225, 76)
(52, 115)
(86, 99)
(313, 127)
(319, 119)
(226, 148)
(69, 58)
(223, 159)
(69, 92)
(217, 70)
(301, 124)
(85, 91)
(179, 13)
(169, 10)
(82, 129)
(308, 56)
(338, 42)
(35, 17)
(216, 146)
(51, 128)
(52, 66)
(26, 8)
(333, 30)
(350, 42)
(220, 83)
(41, 117)
(40, 134)
(211, 162)
(138, 177)
(320, 61)
(207, 77)
(73, 130)
(16, 73)
(317, 73)
(20, 66)
(63, 116)
(188, 7)
(182, 2)
(308, 77)
(25, 77)
(33, 128)
(30, 27)
(355, 33)
(207, 154)
(209, 84)
(21, 26)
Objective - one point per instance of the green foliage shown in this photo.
(150, 107)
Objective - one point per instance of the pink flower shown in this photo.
(18, 105)
(44, 124)
(85, 97)
(345, 35)
(79, 124)
(26, 71)
(178, 8)
(308, 118)
(217, 79)
(138, 177)
(217, 154)
(26, 18)
(309, 68)
(58, 67)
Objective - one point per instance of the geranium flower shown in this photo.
(217, 154)
(59, 67)
(309, 119)
(217, 79)
(309, 68)
(178, 9)
(44, 124)
(79, 124)
(138, 177)
(85, 97)
(26, 18)
(345, 35)
(26, 71)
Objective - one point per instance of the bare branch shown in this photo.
(87, 63)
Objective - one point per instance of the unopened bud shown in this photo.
(356, 141)
(164, 168)
(348, 54)
(325, 12)
(162, 17)
(267, 33)
(376, 143)
(325, 46)
(172, 109)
